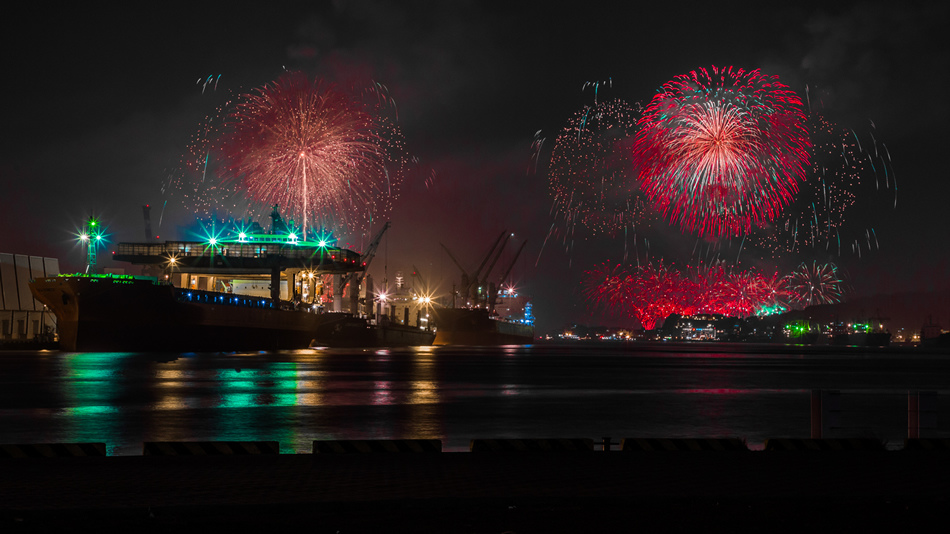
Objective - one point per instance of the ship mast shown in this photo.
(91, 237)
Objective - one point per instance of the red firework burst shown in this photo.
(607, 287)
(722, 150)
(652, 292)
(309, 147)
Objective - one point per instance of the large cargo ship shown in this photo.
(140, 313)
(275, 289)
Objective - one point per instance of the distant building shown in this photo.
(701, 327)
(599, 333)
(23, 318)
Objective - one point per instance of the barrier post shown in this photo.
(921, 412)
(815, 414)
(913, 415)
(825, 412)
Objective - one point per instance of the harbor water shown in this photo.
(457, 394)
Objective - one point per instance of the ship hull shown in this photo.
(137, 314)
(349, 331)
(458, 326)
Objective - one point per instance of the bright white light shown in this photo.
(242, 236)
(322, 243)
(213, 241)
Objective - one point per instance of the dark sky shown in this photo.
(101, 103)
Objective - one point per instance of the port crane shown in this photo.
(356, 278)
(493, 295)
(464, 283)
(469, 286)
(483, 291)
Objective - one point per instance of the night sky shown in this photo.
(100, 105)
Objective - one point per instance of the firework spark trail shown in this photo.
(722, 150)
(162, 215)
(207, 81)
(204, 170)
(536, 147)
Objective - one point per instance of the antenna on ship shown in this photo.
(91, 237)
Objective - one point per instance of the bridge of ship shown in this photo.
(230, 258)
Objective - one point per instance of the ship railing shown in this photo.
(179, 249)
(227, 299)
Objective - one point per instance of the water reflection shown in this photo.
(425, 420)
(453, 394)
(92, 386)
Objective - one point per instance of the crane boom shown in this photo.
(488, 255)
(484, 281)
(455, 261)
(367, 257)
(494, 296)
(417, 274)
(512, 264)
(495, 259)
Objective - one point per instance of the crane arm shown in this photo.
(367, 257)
(497, 255)
(512, 264)
(494, 296)
(418, 275)
(487, 256)
(455, 261)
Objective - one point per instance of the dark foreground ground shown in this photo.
(859, 491)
